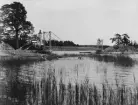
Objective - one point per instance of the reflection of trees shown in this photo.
(119, 60)
(22, 89)
(18, 91)
(9, 62)
(19, 82)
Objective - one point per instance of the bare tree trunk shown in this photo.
(17, 40)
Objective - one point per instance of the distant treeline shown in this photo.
(69, 43)
(133, 43)
(60, 43)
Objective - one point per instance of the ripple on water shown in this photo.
(29, 77)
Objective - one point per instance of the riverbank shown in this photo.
(73, 48)
(27, 54)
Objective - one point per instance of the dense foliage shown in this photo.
(121, 39)
(60, 43)
(13, 19)
(124, 40)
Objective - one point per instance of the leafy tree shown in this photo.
(131, 43)
(40, 32)
(117, 39)
(13, 19)
(125, 39)
(121, 39)
(135, 44)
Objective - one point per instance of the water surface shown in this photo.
(19, 81)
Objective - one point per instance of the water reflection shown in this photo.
(14, 87)
(45, 83)
(118, 60)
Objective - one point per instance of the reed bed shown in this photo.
(49, 92)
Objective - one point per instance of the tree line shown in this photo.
(60, 43)
(124, 40)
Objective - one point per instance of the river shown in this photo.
(19, 81)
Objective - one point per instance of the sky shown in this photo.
(83, 21)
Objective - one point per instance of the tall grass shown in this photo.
(53, 93)
(50, 92)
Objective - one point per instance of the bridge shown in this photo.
(48, 36)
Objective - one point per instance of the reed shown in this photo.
(49, 91)
(86, 94)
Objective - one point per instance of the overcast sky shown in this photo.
(83, 21)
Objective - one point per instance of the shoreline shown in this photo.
(28, 54)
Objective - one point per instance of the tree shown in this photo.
(125, 39)
(135, 44)
(99, 42)
(131, 43)
(121, 39)
(13, 19)
(117, 39)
